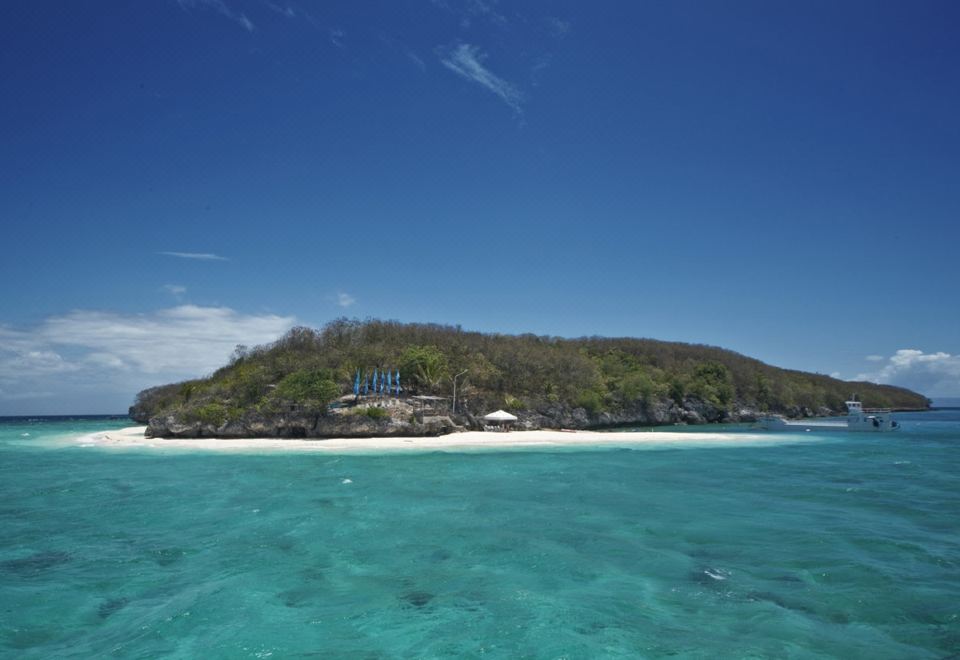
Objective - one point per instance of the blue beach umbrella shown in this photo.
(366, 383)
(389, 383)
(356, 383)
(375, 390)
(398, 382)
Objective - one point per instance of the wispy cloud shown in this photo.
(201, 256)
(285, 10)
(557, 26)
(175, 289)
(467, 10)
(345, 299)
(337, 36)
(485, 9)
(82, 355)
(467, 61)
(933, 374)
(416, 59)
(221, 7)
(182, 339)
(540, 65)
(23, 395)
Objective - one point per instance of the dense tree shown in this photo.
(310, 388)
(426, 366)
(309, 368)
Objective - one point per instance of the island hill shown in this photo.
(303, 385)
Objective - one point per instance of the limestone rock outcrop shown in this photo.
(401, 419)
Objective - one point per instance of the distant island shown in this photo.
(382, 378)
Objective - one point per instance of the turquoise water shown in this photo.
(839, 546)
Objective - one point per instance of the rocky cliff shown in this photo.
(402, 419)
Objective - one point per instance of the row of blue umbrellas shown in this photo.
(381, 381)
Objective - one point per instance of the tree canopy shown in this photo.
(309, 368)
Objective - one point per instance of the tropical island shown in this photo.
(384, 378)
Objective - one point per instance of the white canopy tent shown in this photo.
(501, 418)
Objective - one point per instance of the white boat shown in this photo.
(877, 420)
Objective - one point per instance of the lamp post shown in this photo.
(455, 389)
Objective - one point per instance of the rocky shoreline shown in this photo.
(403, 418)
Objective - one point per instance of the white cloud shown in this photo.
(175, 290)
(875, 358)
(186, 339)
(105, 360)
(345, 299)
(467, 61)
(37, 362)
(932, 374)
(201, 256)
(221, 8)
(336, 37)
(835, 374)
(88, 351)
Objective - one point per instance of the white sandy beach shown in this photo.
(133, 438)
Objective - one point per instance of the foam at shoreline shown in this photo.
(133, 438)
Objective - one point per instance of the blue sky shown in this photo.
(780, 179)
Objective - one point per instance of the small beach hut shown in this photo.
(501, 418)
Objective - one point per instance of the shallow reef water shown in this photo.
(844, 546)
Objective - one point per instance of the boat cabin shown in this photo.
(869, 419)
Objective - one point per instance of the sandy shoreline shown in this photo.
(132, 438)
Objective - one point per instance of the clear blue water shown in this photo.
(839, 546)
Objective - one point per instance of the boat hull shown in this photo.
(780, 424)
(882, 423)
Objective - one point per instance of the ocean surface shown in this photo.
(822, 545)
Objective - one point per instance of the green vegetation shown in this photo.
(211, 413)
(372, 412)
(312, 389)
(512, 403)
(307, 369)
(427, 365)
